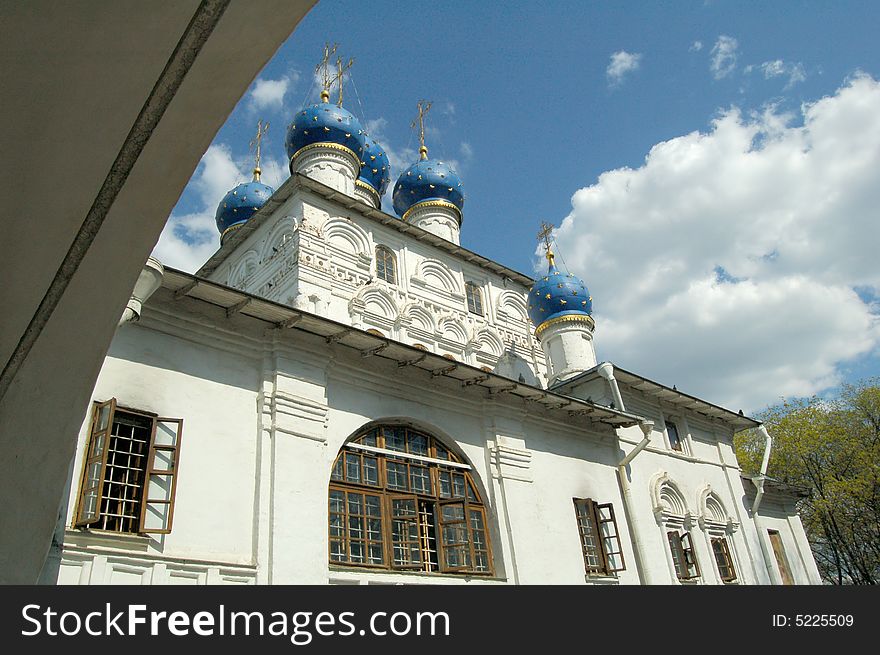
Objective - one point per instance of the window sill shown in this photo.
(377, 573)
(602, 579)
(84, 537)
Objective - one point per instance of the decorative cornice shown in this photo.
(369, 189)
(424, 204)
(570, 318)
(330, 146)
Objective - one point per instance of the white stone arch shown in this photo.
(375, 300)
(346, 236)
(666, 498)
(432, 269)
(712, 509)
(279, 237)
(421, 318)
(488, 341)
(513, 305)
(452, 329)
(243, 269)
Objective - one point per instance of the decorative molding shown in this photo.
(511, 463)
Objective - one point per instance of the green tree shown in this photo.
(832, 448)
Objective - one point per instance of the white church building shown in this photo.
(345, 396)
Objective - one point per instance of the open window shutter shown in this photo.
(692, 568)
(455, 552)
(88, 509)
(611, 547)
(157, 506)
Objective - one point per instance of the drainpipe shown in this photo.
(606, 370)
(758, 481)
(148, 281)
(647, 428)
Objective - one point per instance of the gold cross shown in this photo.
(323, 69)
(544, 235)
(424, 106)
(255, 145)
(340, 71)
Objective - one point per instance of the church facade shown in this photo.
(344, 396)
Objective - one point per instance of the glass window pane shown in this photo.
(395, 439)
(337, 551)
(337, 501)
(374, 507)
(357, 552)
(445, 485)
(396, 476)
(355, 504)
(418, 444)
(453, 513)
(352, 467)
(420, 479)
(337, 469)
(371, 471)
(457, 485)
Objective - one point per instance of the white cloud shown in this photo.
(696, 46)
(621, 63)
(726, 263)
(723, 56)
(778, 67)
(188, 240)
(269, 94)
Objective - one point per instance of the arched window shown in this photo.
(399, 499)
(474, 298)
(385, 265)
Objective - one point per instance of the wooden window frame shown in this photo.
(474, 299)
(150, 470)
(385, 254)
(686, 554)
(592, 511)
(435, 457)
(782, 564)
(726, 555)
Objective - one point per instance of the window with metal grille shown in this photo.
(474, 298)
(683, 557)
(399, 499)
(130, 471)
(600, 542)
(386, 266)
(723, 559)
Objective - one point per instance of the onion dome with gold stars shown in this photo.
(325, 124)
(240, 204)
(558, 297)
(375, 169)
(428, 180)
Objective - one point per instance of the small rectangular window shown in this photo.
(130, 471)
(474, 298)
(723, 559)
(600, 543)
(674, 439)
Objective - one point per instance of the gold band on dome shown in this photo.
(570, 318)
(326, 144)
(432, 203)
(369, 187)
(230, 229)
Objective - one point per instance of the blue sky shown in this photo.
(712, 166)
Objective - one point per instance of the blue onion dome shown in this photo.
(327, 125)
(428, 180)
(558, 297)
(241, 203)
(375, 169)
